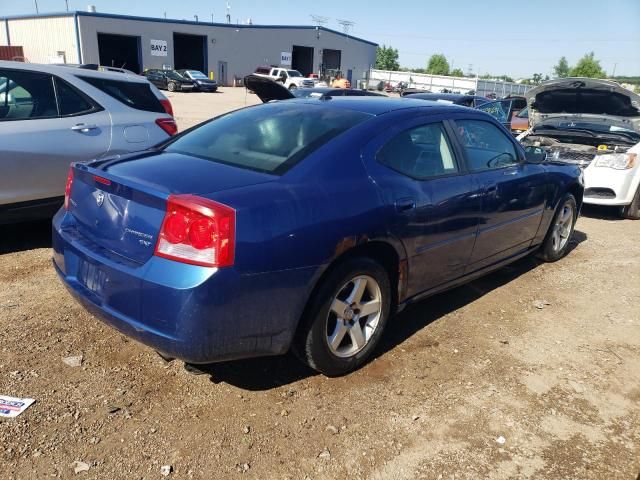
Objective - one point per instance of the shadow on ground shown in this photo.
(272, 372)
(601, 212)
(25, 236)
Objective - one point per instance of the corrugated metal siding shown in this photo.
(11, 53)
(42, 38)
(3, 33)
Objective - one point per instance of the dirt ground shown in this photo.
(475, 383)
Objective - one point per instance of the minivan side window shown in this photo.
(486, 146)
(421, 152)
(26, 95)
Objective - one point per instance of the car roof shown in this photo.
(63, 70)
(442, 96)
(378, 105)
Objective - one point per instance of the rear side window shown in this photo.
(71, 101)
(421, 152)
(26, 95)
(270, 138)
(133, 94)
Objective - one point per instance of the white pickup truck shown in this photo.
(289, 78)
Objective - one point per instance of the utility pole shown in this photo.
(614, 69)
(211, 17)
(36, 2)
(67, 3)
(196, 17)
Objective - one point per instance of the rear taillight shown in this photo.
(167, 106)
(168, 125)
(197, 231)
(67, 189)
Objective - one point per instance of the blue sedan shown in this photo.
(304, 224)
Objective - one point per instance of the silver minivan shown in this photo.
(53, 115)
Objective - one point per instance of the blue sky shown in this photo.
(516, 37)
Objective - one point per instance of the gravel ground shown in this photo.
(531, 372)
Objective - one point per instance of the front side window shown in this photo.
(486, 146)
(420, 152)
(269, 138)
(26, 95)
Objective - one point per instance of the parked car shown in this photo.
(268, 90)
(304, 224)
(291, 79)
(169, 80)
(51, 116)
(200, 81)
(595, 124)
(452, 98)
(520, 121)
(504, 110)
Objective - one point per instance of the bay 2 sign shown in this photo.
(285, 59)
(158, 48)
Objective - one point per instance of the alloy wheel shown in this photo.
(563, 227)
(354, 316)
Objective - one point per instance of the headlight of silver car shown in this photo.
(619, 161)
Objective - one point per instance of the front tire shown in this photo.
(556, 243)
(172, 87)
(632, 211)
(346, 317)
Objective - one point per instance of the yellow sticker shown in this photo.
(602, 147)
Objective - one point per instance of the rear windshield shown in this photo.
(269, 138)
(136, 95)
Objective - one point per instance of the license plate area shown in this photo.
(92, 277)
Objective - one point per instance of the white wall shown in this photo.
(436, 83)
(42, 37)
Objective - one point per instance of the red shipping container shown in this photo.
(12, 53)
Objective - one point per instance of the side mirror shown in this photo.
(535, 154)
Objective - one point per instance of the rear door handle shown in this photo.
(405, 204)
(81, 127)
(512, 171)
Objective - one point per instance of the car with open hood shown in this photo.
(595, 124)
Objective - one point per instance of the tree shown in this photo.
(438, 65)
(562, 69)
(537, 78)
(588, 66)
(457, 72)
(387, 58)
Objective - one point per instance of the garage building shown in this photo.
(226, 51)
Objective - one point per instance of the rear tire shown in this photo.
(632, 211)
(556, 243)
(346, 317)
(172, 87)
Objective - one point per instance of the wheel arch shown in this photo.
(388, 252)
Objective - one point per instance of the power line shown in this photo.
(319, 20)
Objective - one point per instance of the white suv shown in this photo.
(53, 115)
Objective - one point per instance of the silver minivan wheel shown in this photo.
(354, 316)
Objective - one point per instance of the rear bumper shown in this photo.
(196, 314)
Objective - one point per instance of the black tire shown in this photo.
(551, 250)
(312, 343)
(632, 211)
(172, 87)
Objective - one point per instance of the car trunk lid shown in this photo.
(119, 203)
(266, 89)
